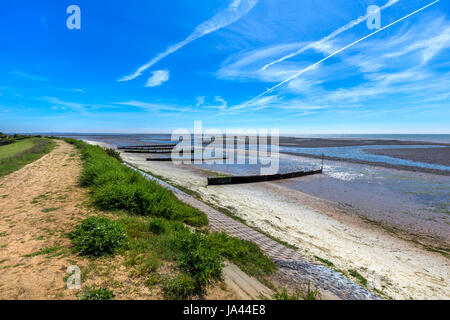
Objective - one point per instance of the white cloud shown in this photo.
(158, 78)
(155, 106)
(236, 10)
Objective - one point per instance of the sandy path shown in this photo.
(38, 205)
(320, 228)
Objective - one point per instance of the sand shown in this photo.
(321, 228)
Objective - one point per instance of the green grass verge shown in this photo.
(18, 154)
(14, 148)
(117, 187)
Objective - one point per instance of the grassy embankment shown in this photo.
(18, 154)
(154, 229)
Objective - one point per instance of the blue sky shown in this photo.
(154, 66)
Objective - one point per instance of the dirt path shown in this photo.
(38, 205)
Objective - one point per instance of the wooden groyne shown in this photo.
(148, 150)
(148, 147)
(183, 159)
(259, 178)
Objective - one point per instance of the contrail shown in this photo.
(236, 10)
(332, 35)
(336, 52)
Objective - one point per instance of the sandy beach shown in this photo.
(321, 228)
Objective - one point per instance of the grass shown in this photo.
(196, 255)
(117, 187)
(325, 261)
(43, 251)
(162, 231)
(12, 149)
(18, 154)
(47, 210)
(309, 294)
(358, 277)
(97, 294)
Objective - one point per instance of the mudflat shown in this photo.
(429, 155)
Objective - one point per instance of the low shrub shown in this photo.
(198, 259)
(158, 226)
(245, 254)
(180, 287)
(114, 154)
(98, 236)
(97, 294)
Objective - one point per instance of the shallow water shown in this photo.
(357, 152)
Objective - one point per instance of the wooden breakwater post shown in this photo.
(214, 181)
(148, 147)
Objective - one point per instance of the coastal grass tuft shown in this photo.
(97, 236)
(325, 261)
(308, 294)
(358, 277)
(97, 294)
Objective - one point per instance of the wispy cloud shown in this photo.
(391, 68)
(158, 78)
(236, 10)
(314, 65)
(200, 101)
(332, 35)
(30, 76)
(155, 106)
(83, 108)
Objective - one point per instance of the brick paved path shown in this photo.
(290, 263)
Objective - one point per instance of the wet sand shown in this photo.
(321, 228)
(429, 155)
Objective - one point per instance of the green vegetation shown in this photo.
(358, 277)
(9, 139)
(309, 294)
(14, 148)
(197, 255)
(98, 236)
(113, 153)
(18, 154)
(325, 261)
(43, 251)
(117, 187)
(155, 223)
(47, 210)
(180, 287)
(97, 294)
